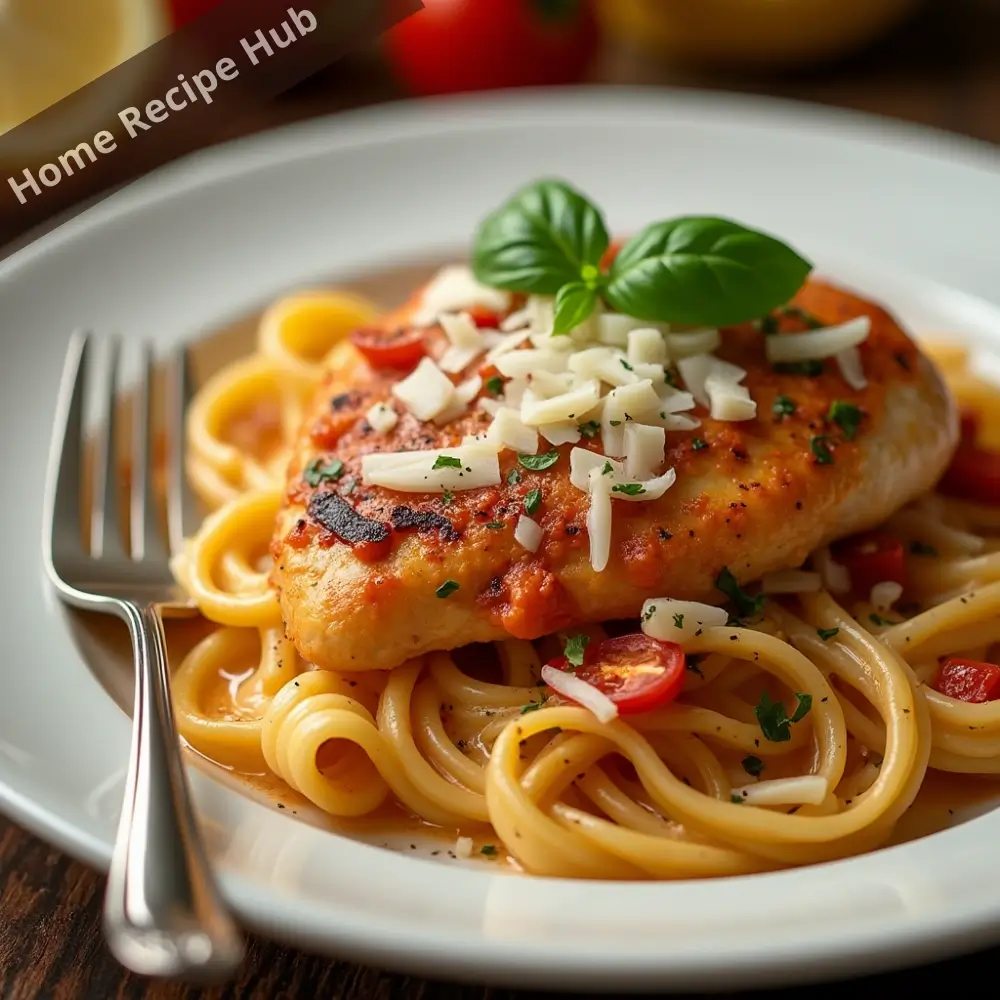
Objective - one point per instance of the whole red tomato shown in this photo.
(184, 11)
(461, 45)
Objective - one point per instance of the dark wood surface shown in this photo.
(940, 69)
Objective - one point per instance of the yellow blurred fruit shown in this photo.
(752, 33)
(50, 48)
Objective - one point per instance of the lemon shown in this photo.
(50, 48)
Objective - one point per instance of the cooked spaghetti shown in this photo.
(805, 727)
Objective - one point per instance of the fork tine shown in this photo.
(64, 484)
(105, 532)
(146, 540)
(182, 512)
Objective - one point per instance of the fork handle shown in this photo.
(163, 915)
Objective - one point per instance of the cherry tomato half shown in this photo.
(636, 672)
(974, 473)
(872, 557)
(485, 319)
(460, 45)
(400, 349)
(968, 680)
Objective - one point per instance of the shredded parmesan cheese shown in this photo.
(809, 789)
(668, 620)
(563, 432)
(523, 363)
(414, 472)
(453, 289)
(461, 330)
(569, 406)
(599, 519)
(507, 431)
(464, 393)
(835, 577)
(646, 346)
(426, 391)
(528, 533)
(686, 345)
(815, 345)
(382, 418)
(885, 594)
(644, 449)
(578, 690)
(851, 368)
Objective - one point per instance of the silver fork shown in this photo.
(163, 915)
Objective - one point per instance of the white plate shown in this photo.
(909, 216)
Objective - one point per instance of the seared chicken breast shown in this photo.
(366, 575)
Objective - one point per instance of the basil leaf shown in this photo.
(575, 649)
(574, 303)
(540, 240)
(704, 272)
(539, 463)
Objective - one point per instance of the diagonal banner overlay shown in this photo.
(174, 98)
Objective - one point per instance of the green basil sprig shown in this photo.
(549, 240)
(546, 236)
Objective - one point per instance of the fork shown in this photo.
(163, 915)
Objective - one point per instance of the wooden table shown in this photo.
(943, 69)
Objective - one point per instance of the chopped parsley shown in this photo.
(753, 765)
(678, 620)
(488, 849)
(446, 462)
(783, 406)
(539, 463)
(773, 717)
(803, 703)
(513, 477)
(446, 589)
(448, 497)
(846, 416)
(650, 611)
(494, 525)
(827, 633)
(811, 321)
(819, 447)
(698, 445)
(923, 549)
(812, 368)
(629, 489)
(590, 429)
(532, 501)
(494, 385)
(608, 469)
(670, 379)
(879, 620)
(615, 423)
(736, 800)
(532, 706)
(745, 604)
(324, 472)
(626, 365)
(576, 646)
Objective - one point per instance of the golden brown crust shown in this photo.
(755, 500)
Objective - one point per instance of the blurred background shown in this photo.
(931, 61)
